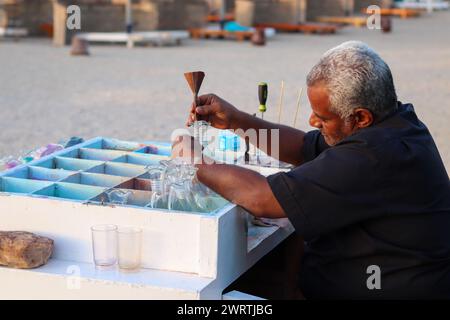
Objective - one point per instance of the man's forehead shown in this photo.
(318, 89)
(319, 97)
(320, 101)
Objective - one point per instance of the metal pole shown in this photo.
(430, 6)
(129, 23)
(128, 17)
(303, 9)
(349, 7)
(222, 14)
(299, 4)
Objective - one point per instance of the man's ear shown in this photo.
(364, 118)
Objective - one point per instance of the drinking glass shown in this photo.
(104, 244)
(130, 247)
(159, 194)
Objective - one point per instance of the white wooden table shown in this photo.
(184, 255)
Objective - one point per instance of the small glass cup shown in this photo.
(130, 247)
(157, 181)
(159, 196)
(104, 245)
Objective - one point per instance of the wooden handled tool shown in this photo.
(195, 80)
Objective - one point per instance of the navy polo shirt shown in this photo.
(380, 199)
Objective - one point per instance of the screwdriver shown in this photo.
(262, 94)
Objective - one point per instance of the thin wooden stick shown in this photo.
(298, 106)
(280, 104)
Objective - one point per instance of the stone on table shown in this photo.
(24, 250)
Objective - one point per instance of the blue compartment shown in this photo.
(115, 144)
(70, 191)
(16, 185)
(141, 159)
(162, 150)
(97, 180)
(136, 184)
(68, 164)
(137, 198)
(119, 169)
(96, 144)
(40, 173)
(94, 154)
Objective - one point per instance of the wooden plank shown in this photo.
(68, 280)
(155, 37)
(355, 21)
(13, 32)
(9, 2)
(216, 18)
(309, 27)
(3, 19)
(220, 34)
(423, 6)
(403, 13)
(59, 24)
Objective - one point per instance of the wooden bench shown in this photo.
(220, 34)
(309, 27)
(216, 18)
(13, 32)
(423, 5)
(403, 13)
(160, 38)
(356, 21)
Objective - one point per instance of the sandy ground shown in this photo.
(141, 94)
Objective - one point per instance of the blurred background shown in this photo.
(120, 74)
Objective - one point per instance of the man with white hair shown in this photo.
(369, 193)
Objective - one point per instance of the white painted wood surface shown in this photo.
(156, 37)
(237, 295)
(428, 5)
(63, 280)
(74, 280)
(13, 32)
(184, 256)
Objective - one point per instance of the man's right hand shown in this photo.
(222, 115)
(215, 110)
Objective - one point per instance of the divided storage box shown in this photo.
(62, 195)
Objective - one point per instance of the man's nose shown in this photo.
(314, 121)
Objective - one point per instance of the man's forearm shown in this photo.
(290, 140)
(243, 187)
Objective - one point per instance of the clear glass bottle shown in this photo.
(175, 187)
(159, 197)
(201, 132)
(201, 135)
(159, 194)
(180, 198)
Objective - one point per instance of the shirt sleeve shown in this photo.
(336, 189)
(313, 145)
